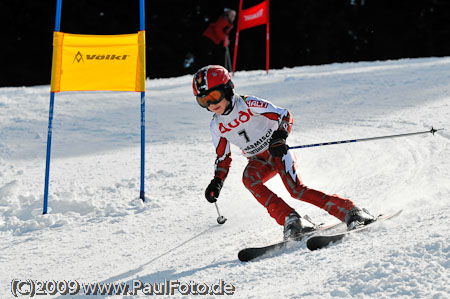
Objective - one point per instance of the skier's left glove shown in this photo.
(277, 144)
(213, 190)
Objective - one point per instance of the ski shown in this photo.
(321, 241)
(251, 253)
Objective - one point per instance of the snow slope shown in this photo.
(98, 230)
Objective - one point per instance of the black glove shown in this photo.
(213, 190)
(277, 144)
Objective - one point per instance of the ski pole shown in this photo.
(227, 59)
(220, 219)
(432, 131)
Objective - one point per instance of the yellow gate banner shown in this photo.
(98, 62)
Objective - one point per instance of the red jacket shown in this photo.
(219, 30)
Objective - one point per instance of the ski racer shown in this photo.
(260, 129)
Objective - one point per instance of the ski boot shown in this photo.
(295, 226)
(357, 217)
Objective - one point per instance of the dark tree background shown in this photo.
(302, 32)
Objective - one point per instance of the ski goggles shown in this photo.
(212, 98)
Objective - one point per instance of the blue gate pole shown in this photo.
(142, 28)
(50, 119)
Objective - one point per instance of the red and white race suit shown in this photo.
(250, 125)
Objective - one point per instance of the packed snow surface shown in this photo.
(98, 230)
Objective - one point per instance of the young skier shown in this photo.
(260, 130)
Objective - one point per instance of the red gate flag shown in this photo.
(254, 16)
(251, 17)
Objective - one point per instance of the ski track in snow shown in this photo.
(98, 230)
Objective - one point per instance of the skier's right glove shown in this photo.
(213, 190)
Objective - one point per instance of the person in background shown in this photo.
(215, 39)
